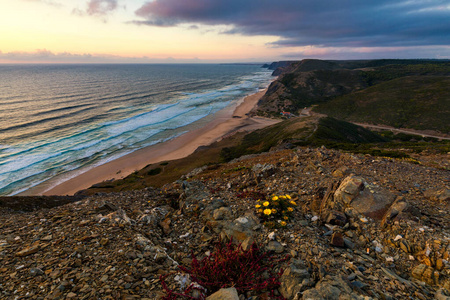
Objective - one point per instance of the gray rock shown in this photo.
(293, 278)
(275, 246)
(331, 288)
(223, 213)
(370, 200)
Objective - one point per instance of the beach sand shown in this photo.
(225, 122)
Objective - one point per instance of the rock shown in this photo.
(440, 195)
(330, 287)
(426, 274)
(275, 246)
(370, 200)
(349, 189)
(292, 279)
(394, 211)
(263, 171)
(165, 225)
(337, 240)
(223, 213)
(224, 294)
(155, 216)
(442, 294)
(341, 172)
(336, 218)
(241, 228)
(29, 250)
(36, 272)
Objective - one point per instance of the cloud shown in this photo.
(328, 23)
(46, 56)
(97, 8)
(434, 52)
(101, 7)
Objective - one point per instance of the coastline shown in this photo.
(225, 122)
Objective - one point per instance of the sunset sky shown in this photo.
(139, 31)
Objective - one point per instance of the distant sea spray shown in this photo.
(64, 119)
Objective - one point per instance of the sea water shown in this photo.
(65, 119)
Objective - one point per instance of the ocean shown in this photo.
(57, 121)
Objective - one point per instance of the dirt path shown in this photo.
(407, 131)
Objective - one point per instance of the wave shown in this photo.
(99, 119)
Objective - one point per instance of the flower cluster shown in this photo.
(276, 211)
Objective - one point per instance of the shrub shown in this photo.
(231, 266)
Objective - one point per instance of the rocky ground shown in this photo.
(363, 228)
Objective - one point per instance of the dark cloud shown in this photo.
(330, 23)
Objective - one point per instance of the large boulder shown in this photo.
(370, 200)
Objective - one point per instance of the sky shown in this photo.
(218, 31)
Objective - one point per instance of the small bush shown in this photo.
(230, 266)
(155, 171)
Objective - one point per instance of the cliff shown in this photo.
(400, 93)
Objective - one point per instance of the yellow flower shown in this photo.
(286, 218)
(267, 211)
(290, 209)
(274, 210)
(283, 223)
(260, 210)
(257, 206)
(282, 197)
(293, 203)
(266, 203)
(275, 198)
(289, 197)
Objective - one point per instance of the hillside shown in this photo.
(361, 227)
(419, 102)
(421, 86)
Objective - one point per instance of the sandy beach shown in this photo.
(225, 122)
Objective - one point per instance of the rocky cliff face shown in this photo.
(300, 85)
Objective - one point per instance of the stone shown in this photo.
(29, 250)
(426, 274)
(223, 213)
(224, 294)
(330, 287)
(341, 172)
(370, 200)
(275, 246)
(291, 281)
(337, 240)
(440, 195)
(394, 211)
(336, 218)
(442, 294)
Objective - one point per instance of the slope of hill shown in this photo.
(419, 102)
(408, 93)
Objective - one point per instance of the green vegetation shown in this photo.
(155, 171)
(262, 140)
(390, 72)
(419, 102)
